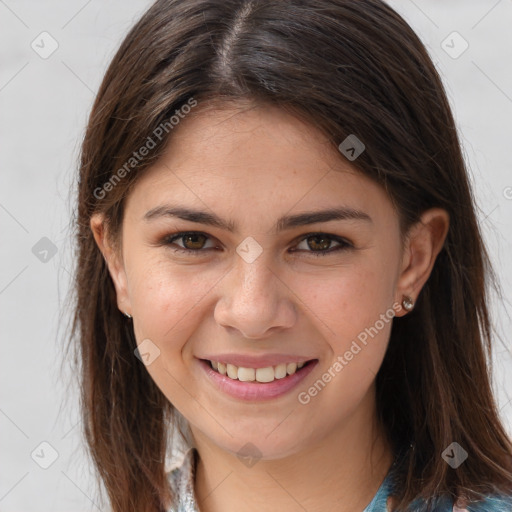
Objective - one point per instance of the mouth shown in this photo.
(261, 375)
(256, 384)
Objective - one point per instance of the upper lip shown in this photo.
(263, 361)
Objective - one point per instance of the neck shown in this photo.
(346, 468)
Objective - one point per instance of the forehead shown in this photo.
(247, 137)
(254, 161)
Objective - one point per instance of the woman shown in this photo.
(279, 260)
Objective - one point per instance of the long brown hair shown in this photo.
(346, 67)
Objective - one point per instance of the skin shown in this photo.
(251, 167)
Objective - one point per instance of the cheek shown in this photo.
(168, 303)
(166, 299)
(353, 312)
(354, 319)
(348, 299)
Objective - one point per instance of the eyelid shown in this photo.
(169, 240)
(335, 238)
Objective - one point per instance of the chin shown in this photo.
(260, 447)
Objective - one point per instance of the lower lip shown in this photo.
(256, 391)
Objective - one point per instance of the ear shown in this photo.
(114, 261)
(424, 241)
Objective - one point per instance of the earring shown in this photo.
(127, 315)
(407, 303)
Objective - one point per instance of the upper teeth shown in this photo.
(267, 374)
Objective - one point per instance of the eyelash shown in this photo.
(344, 244)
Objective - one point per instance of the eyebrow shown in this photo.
(283, 223)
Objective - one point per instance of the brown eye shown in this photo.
(192, 242)
(319, 244)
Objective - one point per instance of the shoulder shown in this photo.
(489, 503)
(387, 501)
(492, 503)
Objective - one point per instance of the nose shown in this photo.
(255, 301)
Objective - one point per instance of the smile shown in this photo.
(255, 384)
(266, 374)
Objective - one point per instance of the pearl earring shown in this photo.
(407, 303)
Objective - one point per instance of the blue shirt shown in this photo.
(444, 504)
(181, 479)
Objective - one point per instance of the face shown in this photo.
(226, 256)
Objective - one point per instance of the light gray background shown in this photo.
(44, 104)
